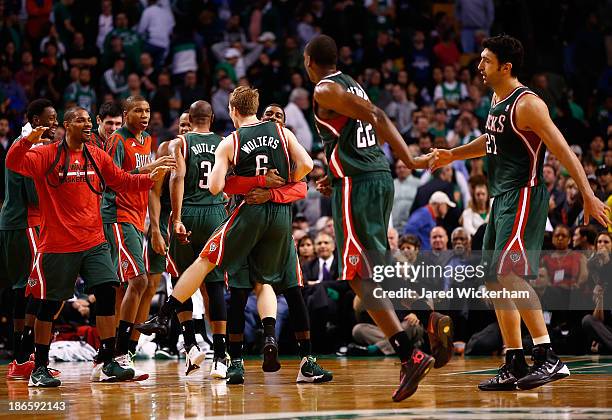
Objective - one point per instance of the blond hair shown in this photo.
(245, 100)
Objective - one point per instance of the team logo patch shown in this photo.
(213, 247)
(514, 257)
(124, 265)
(353, 259)
(32, 282)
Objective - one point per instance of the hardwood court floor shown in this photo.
(361, 389)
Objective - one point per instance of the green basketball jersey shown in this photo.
(515, 157)
(20, 207)
(351, 146)
(199, 152)
(259, 147)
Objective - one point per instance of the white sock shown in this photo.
(545, 339)
(514, 348)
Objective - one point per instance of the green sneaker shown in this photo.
(113, 372)
(311, 372)
(235, 372)
(43, 378)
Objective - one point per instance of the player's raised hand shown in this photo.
(593, 207)
(324, 186)
(273, 179)
(36, 135)
(440, 158)
(159, 172)
(162, 161)
(158, 243)
(181, 232)
(258, 196)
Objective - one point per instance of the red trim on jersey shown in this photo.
(131, 270)
(170, 264)
(214, 248)
(36, 282)
(184, 142)
(226, 279)
(33, 238)
(236, 147)
(514, 257)
(145, 255)
(531, 141)
(353, 258)
(334, 165)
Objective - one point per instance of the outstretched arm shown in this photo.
(333, 97)
(474, 149)
(223, 157)
(532, 115)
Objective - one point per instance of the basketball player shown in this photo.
(19, 229)
(123, 214)
(518, 129)
(184, 124)
(351, 127)
(69, 178)
(260, 232)
(109, 119)
(274, 112)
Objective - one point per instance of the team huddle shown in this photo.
(220, 217)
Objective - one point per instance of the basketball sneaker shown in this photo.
(193, 360)
(412, 372)
(54, 372)
(158, 325)
(440, 333)
(218, 370)
(126, 361)
(110, 372)
(271, 363)
(235, 372)
(508, 374)
(41, 377)
(164, 353)
(547, 367)
(20, 370)
(311, 372)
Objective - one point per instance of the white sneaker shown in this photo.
(219, 368)
(113, 373)
(193, 360)
(126, 362)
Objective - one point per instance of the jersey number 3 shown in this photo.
(205, 169)
(491, 146)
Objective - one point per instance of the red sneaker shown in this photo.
(20, 370)
(411, 373)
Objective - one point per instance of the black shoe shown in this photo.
(440, 333)
(354, 349)
(158, 325)
(547, 367)
(411, 373)
(505, 380)
(271, 363)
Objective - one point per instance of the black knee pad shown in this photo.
(297, 309)
(238, 301)
(105, 299)
(32, 306)
(19, 303)
(48, 309)
(216, 301)
(186, 306)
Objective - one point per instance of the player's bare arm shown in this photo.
(474, 149)
(532, 115)
(333, 97)
(299, 156)
(223, 157)
(157, 240)
(177, 190)
(161, 161)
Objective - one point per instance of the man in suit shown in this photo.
(325, 266)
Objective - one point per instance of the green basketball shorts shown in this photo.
(17, 254)
(127, 249)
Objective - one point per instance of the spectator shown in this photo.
(133, 87)
(477, 212)
(130, 39)
(38, 12)
(5, 143)
(81, 92)
(10, 90)
(306, 252)
(80, 55)
(114, 78)
(62, 16)
(424, 219)
(236, 62)
(297, 114)
(105, 23)
(420, 60)
(596, 151)
(155, 27)
(26, 76)
(604, 177)
(584, 239)
(219, 102)
(315, 204)
(568, 212)
(446, 51)
(568, 269)
(148, 74)
(306, 29)
(325, 266)
(474, 16)
(406, 185)
(393, 238)
(191, 91)
(400, 109)
(451, 90)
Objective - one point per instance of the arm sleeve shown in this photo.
(119, 180)
(243, 184)
(25, 161)
(289, 193)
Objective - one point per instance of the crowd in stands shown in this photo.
(417, 61)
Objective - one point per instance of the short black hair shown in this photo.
(130, 102)
(70, 113)
(322, 50)
(110, 109)
(589, 233)
(508, 50)
(37, 107)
